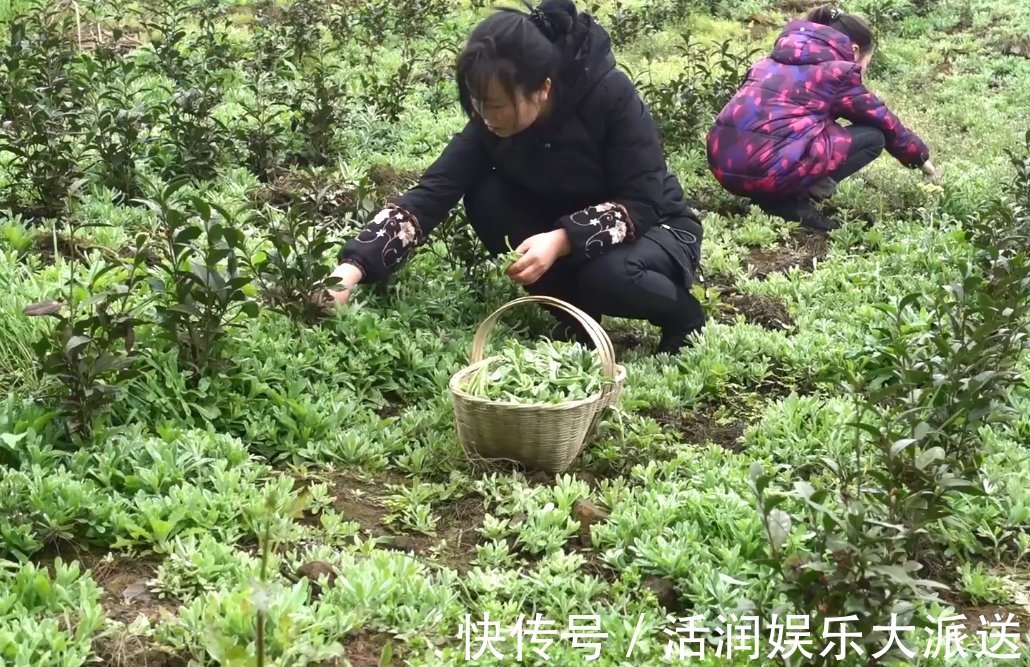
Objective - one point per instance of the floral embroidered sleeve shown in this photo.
(634, 170)
(384, 244)
(595, 229)
(856, 103)
(400, 227)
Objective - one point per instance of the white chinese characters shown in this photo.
(731, 637)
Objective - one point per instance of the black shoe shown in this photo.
(824, 189)
(673, 340)
(800, 210)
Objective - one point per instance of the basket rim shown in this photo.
(602, 342)
(619, 378)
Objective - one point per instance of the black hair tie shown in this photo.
(543, 22)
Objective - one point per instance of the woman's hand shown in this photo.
(931, 171)
(539, 253)
(349, 276)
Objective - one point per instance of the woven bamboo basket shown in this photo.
(544, 437)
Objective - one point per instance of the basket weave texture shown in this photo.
(539, 436)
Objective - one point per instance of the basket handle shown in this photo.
(597, 335)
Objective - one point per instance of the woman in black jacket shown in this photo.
(560, 155)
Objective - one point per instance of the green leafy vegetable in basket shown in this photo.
(549, 372)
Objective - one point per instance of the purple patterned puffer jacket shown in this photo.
(778, 134)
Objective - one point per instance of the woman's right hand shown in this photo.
(349, 276)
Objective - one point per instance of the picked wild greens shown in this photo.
(549, 372)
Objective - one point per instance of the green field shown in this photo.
(200, 465)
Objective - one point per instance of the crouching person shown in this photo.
(777, 141)
(561, 157)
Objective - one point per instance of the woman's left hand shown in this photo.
(539, 253)
(931, 172)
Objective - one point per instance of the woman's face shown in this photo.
(504, 116)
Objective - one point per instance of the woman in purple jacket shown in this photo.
(777, 141)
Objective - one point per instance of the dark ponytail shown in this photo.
(554, 18)
(517, 49)
(855, 27)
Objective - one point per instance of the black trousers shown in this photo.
(867, 143)
(638, 280)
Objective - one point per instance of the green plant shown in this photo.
(409, 20)
(934, 378)
(982, 586)
(934, 387)
(301, 26)
(118, 124)
(547, 529)
(409, 16)
(193, 138)
(711, 299)
(464, 251)
(198, 565)
(41, 119)
(264, 136)
(89, 353)
(270, 526)
(757, 234)
(166, 23)
(937, 379)
(210, 44)
(341, 22)
(336, 530)
(386, 94)
(884, 14)
(686, 105)
(625, 24)
(494, 555)
(317, 113)
(200, 276)
(48, 619)
(550, 372)
(261, 620)
(1018, 210)
(850, 562)
(17, 235)
(295, 271)
(412, 506)
(268, 40)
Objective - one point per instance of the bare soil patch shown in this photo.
(764, 311)
(701, 425)
(457, 530)
(48, 248)
(125, 650)
(801, 251)
(982, 617)
(365, 649)
(390, 181)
